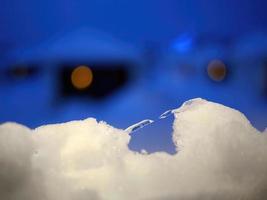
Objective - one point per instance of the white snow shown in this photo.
(219, 156)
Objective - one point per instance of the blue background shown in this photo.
(168, 43)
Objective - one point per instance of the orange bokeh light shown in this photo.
(81, 77)
(216, 70)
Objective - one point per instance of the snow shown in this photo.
(219, 156)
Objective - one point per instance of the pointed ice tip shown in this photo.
(189, 105)
(195, 100)
(138, 125)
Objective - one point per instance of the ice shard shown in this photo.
(138, 125)
(166, 114)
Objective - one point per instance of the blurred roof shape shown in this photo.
(83, 44)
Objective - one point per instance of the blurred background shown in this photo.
(125, 61)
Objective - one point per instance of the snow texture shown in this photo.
(219, 156)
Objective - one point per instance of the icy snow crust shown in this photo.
(220, 156)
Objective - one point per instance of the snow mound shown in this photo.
(219, 156)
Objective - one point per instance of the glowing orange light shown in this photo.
(216, 70)
(81, 77)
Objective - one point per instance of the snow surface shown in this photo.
(219, 156)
